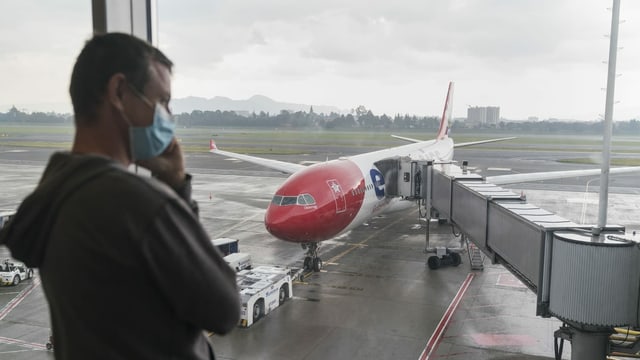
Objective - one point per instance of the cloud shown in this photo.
(540, 58)
(40, 41)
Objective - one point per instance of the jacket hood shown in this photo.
(26, 234)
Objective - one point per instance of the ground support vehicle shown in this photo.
(239, 261)
(49, 344)
(226, 245)
(13, 272)
(263, 289)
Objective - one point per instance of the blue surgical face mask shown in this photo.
(150, 141)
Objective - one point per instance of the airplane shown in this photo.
(322, 201)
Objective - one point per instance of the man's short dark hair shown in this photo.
(102, 57)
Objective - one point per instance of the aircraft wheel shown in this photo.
(16, 280)
(433, 262)
(317, 264)
(455, 258)
(49, 346)
(307, 263)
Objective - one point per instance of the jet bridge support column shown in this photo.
(425, 193)
(586, 343)
(443, 255)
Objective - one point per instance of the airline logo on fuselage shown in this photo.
(378, 182)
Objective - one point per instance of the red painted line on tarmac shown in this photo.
(23, 343)
(18, 299)
(434, 340)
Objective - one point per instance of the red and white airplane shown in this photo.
(324, 200)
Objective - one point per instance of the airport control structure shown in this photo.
(576, 276)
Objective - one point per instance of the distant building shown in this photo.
(477, 115)
(483, 115)
(493, 114)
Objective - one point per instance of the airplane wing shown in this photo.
(482, 142)
(283, 166)
(407, 139)
(518, 178)
(455, 145)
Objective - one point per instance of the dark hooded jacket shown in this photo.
(127, 269)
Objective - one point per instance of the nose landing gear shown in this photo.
(312, 261)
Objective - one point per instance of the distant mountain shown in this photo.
(256, 103)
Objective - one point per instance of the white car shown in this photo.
(12, 273)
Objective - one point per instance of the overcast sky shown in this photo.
(540, 58)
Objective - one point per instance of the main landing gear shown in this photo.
(311, 259)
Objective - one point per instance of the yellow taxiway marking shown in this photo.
(334, 260)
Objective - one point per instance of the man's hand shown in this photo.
(168, 166)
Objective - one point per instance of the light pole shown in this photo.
(584, 201)
(608, 120)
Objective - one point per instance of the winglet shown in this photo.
(446, 114)
(212, 145)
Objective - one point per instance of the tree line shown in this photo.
(361, 118)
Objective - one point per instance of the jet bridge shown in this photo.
(575, 276)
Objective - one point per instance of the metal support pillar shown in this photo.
(425, 193)
(135, 17)
(608, 120)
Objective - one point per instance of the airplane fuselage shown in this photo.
(331, 198)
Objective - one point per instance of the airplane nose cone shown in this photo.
(296, 224)
(316, 203)
(281, 223)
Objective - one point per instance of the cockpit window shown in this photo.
(302, 199)
(309, 199)
(289, 200)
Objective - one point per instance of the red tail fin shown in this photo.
(446, 114)
(212, 145)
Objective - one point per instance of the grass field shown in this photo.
(291, 142)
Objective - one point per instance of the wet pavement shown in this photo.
(375, 297)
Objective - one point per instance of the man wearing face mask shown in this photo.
(127, 269)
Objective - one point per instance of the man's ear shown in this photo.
(116, 89)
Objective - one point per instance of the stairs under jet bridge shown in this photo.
(575, 276)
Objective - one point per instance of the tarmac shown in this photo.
(375, 297)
